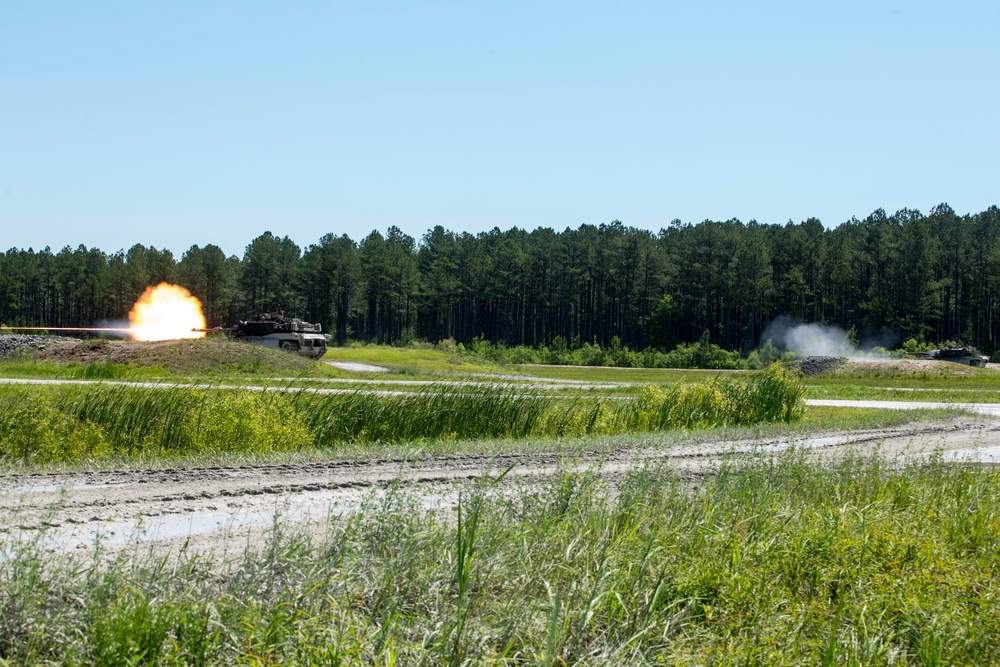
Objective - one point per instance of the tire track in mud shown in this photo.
(160, 505)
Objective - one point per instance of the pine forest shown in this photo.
(932, 276)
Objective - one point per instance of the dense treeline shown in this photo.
(905, 274)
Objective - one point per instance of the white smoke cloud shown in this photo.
(811, 339)
(817, 339)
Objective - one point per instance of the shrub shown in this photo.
(39, 434)
(248, 421)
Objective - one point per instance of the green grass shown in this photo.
(609, 374)
(982, 387)
(41, 425)
(409, 360)
(925, 394)
(849, 419)
(20, 368)
(770, 561)
(901, 369)
(815, 422)
(221, 360)
(427, 360)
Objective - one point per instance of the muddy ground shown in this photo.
(213, 509)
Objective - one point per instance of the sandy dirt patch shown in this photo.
(357, 367)
(208, 509)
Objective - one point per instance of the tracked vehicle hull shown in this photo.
(307, 345)
(278, 333)
(960, 355)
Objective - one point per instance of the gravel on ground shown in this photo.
(14, 343)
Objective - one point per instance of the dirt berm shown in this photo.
(213, 354)
(874, 367)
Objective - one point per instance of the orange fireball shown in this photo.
(166, 312)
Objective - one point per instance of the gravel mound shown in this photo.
(817, 365)
(9, 344)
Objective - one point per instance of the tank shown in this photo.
(961, 355)
(279, 333)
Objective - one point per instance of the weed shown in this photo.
(66, 423)
(772, 561)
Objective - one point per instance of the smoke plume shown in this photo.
(812, 339)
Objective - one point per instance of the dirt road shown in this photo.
(209, 508)
(987, 409)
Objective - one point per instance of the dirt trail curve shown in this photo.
(206, 506)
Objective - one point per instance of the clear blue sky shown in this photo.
(175, 123)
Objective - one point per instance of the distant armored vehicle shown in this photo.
(961, 355)
(276, 332)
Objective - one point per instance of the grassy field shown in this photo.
(764, 561)
(106, 425)
(949, 383)
(410, 360)
(41, 425)
(973, 386)
(815, 421)
(609, 374)
(226, 360)
(928, 394)
(770, 561)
